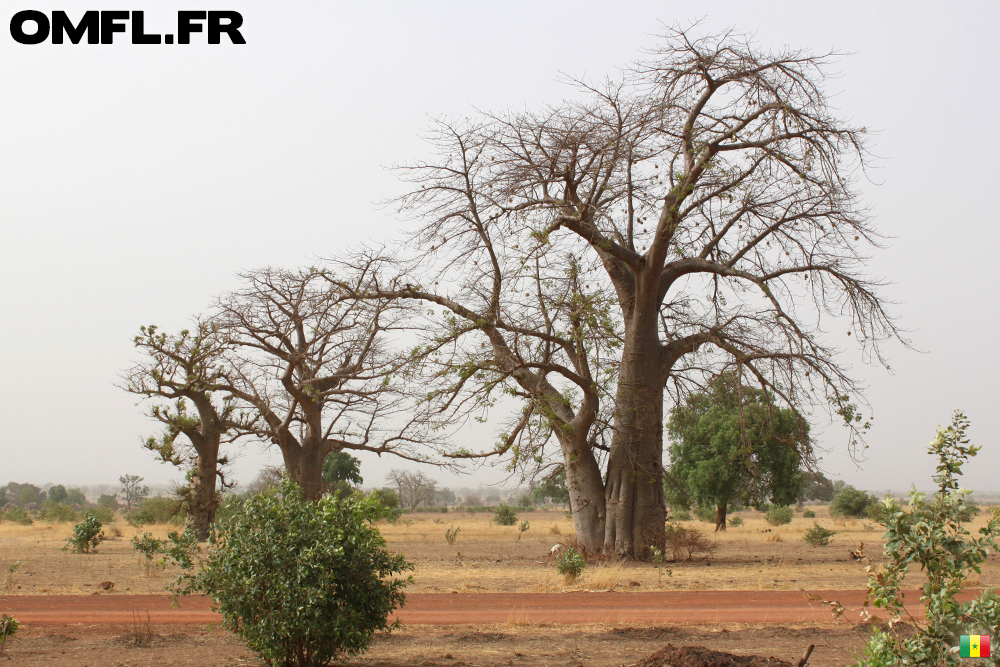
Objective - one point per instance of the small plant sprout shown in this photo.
(659, 559)
(522, 528)
(451, 534)
(10, 583)
(8, 628)
(571, 564)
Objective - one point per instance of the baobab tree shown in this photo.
(711, 189)
(189, 366)
(316, 368)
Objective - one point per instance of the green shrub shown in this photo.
(86, 535)
(735, 522)
(931, 537)
(570, 564)
(852, 503)
(522, 529)
(109, 501)
(105, 514)
(8, 628)
(705, 513)
(504, 515)
(150, 548)
(808, 514)
(57, 512)
(17, 515)
(681, 515)
(818, 536)
(451, 534)
(161, 509)
(301, 582)
(779, 516)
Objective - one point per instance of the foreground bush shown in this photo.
(931, 537)
(571, 564)
(302, 582)
(818, 536)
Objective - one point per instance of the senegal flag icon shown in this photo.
(975, 646)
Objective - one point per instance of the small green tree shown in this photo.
(570, 564)
(150, 547)
(851, 502)
(132, 491)
(86, 535)
(57, 493)
(301, 582)
(932, 537)
(733, 444)
(818, 536)
(504, 515)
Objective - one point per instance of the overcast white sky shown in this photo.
(136, 180)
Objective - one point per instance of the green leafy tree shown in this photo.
(342, 472)
(553, 489)
(75, 497)
(814, 485)
(3, 497)
(931, 536)
(302, 582)
(504, 515)
(57, 493)
(852, 502)
(733, 444)
(109, 501)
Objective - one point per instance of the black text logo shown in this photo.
(34, 27)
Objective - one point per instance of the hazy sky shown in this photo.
(136, 180)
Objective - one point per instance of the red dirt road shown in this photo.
(674, 607)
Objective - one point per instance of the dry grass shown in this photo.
(489, 558)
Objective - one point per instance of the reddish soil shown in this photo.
(699, 656)
(673, 607)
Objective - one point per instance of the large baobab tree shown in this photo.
(189, 367)
(710, 189)
(317, 369)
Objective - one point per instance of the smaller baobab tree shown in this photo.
(318, 370)
(189, 367)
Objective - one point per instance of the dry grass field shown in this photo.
(491, 558)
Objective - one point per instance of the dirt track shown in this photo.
(702, 607)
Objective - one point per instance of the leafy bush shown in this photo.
(86, 535)
(160, 509)
(808, 514)
(852, 503)
(705, 513)
(105, 514)
(968, 512)
(150, 548)
(109, 501)
(735, 522)
(570, 564)
(682, 515)
(818, 536)
(779, 516)
(301, 582)
(504, 515)
(8, 628)
(522, 529)
(686, 543)
(931, 537)
(451, 534)
(17, 515)
(57, 512)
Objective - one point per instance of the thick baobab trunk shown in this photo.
(720, 516)
(305, 466)
(586, 492)
(203, 499)
(634, 497)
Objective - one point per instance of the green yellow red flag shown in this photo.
(975, 646)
